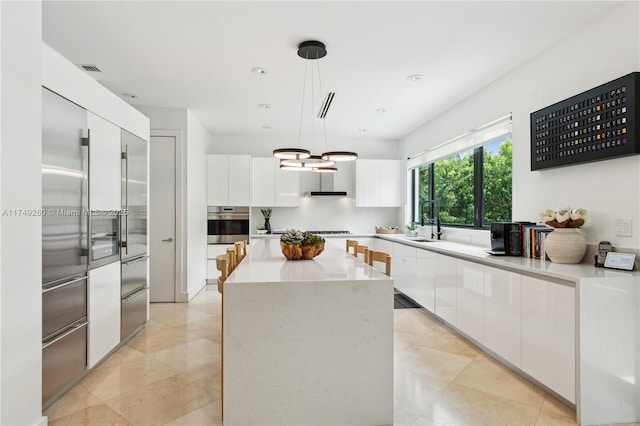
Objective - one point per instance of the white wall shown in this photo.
(197, 140)
(20, 236)
(263, 146)
(592, 56)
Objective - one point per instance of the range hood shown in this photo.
(325, 187)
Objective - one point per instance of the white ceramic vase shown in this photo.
(565, 245)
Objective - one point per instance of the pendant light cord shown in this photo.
(304, 89)
(324, 120)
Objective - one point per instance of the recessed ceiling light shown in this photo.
(362, 129)
(381, 110)
(130, 95)
(259, 70)
(266, 127)
(415, 77)
(264, 106)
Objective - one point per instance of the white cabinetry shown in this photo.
(470, 303)
(272, 187)
(403, 269)
(379, 183)
(426, 264)
(104, 311)
(446, 288)
(503, 314)
(228, 180)
(548, 334)
(104, 164)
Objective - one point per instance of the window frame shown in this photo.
(475, 140)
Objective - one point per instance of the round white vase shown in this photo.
(565, 245)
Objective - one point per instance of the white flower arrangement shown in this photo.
(566, 217)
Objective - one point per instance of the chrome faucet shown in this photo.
(435, 216)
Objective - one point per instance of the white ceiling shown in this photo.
(198, 55)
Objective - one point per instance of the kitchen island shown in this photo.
(307, 341)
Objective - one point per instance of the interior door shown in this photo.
(162, 211)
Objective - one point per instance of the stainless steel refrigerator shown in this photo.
(64, 244)
(133, 233)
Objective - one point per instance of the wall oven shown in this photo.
(226, 225)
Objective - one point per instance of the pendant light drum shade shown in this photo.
(291, 153)
(340, 156)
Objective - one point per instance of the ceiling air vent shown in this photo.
(90, 68)
(324, 108)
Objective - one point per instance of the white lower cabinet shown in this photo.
(426, 264)
(214, 250)
(548, 334)
(104, 311)
(470, 299)
(446, 288)
(403, 269)
(503, 314)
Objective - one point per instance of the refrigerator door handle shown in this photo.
(125, 240)
(136, 293)
(65, 334)
(65, 284)
(136, 260)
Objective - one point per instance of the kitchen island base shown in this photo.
(312, 352)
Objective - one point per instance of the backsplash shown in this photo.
(330, 214)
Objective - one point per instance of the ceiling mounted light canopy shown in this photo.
(300, 159)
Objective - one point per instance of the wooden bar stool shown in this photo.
(222, 264)
(379, 256)
(241, 249)
(351, 244)
(233, 258)
(361, 249)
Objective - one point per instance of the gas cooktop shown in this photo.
(329, 232)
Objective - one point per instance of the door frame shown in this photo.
(181, 294)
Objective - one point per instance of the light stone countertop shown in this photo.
(265, 263)
(567, 273)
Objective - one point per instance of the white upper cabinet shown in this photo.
(228, 180)
(379, 183)
(272, 187)
(104, 164)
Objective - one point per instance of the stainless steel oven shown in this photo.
(226, 225)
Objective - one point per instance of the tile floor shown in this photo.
(169, 374)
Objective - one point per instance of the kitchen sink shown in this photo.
(422, 240)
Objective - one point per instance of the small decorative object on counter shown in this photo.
(565, 244)
(261, 230)
(267, 215)
(412, 230)
(297, 245)
(387, 230)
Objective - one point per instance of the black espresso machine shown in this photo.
(506, 238)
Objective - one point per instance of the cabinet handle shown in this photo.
(64, 284)
(168, 240)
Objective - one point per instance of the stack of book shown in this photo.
(533, 237)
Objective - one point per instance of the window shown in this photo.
(472, 187)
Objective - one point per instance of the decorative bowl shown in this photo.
(261, 231)
(298, 251)
(387, 230)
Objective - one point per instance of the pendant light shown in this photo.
(299, 159)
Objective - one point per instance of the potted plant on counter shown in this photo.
(261, 230)
(296, 245)
(267, 215)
